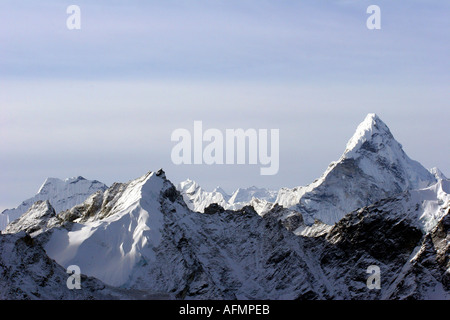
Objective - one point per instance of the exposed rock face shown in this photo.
(427, 275)
(37, 219)
(412, 262)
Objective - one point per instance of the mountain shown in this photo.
(141, 237)
(245, 195)
(372, 167)
(122, 227)
(437, 174)
(374, 207)
(37, 218)
(62, 194)
(198, 199)
(395, 235)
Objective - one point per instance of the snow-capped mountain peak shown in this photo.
(147, 239)
(372, 167)
(198, 199)
(225, 195)
(126, 219)
(188, 186)
(371, 134)
(437, 174)
(378, 154)
(247, 194)
(62, 194)
(55, 183)
(34, 219)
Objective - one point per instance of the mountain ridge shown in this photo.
(143, 237)
(62, 194)
(367, 209)
(372, 159)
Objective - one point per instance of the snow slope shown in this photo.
(120, 240)
(27, 273)
(62, 194)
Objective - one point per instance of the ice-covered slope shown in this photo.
(62, 194)
(423, 207)
(198, 199)
(119, 237)
(373, 166)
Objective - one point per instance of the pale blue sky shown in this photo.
(102, 101)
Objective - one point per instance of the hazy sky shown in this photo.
(102, 101)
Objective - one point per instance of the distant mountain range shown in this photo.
(148, 238)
